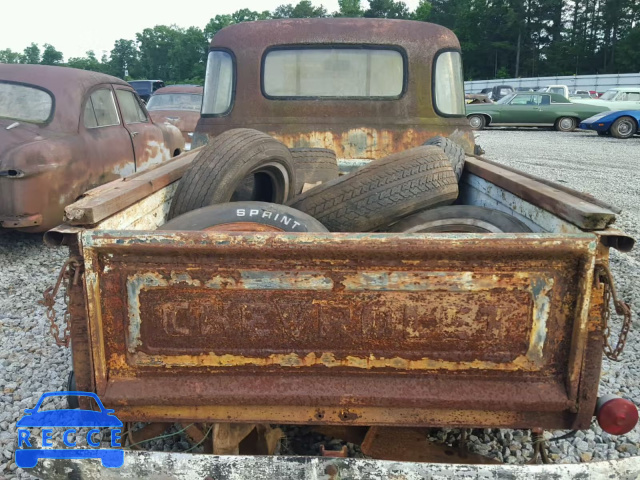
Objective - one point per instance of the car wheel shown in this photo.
(460, 218)
(565, 124)
(245, 217)
(382, 191)
(223, 166)
(72, 401)
(624, 127)
(477, 122)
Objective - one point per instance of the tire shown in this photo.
(314, 165)
(382, 191)
(72, 402)
(624, 127)
(477, 122)
(565, 124)
(245, 217)
(460, 218)
(454, 151)
(224, 164)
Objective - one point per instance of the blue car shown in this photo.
(70, 419)
(621, 124)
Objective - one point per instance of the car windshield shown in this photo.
(175, 101)
(609, 95)
(506, 99)
(143, 87)
(24, 103)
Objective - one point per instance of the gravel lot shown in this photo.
(31, 363)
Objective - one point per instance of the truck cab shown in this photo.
(334, 83)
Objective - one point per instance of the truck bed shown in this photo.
(466, 330)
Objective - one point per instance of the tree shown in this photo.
(51, 56)
(90, 62)
(349, 8)
(216, 24)
(423, 11)
(387, 9)
(31, 54)
(124, 59)
(304, 9)
(188, 54)
(155, 45)
(283, 11)
(9, 56)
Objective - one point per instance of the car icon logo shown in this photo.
(70, 420)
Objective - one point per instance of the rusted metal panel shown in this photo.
(60, 159)
(377, 319)
(353, 128)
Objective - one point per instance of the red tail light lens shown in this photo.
(616, 415)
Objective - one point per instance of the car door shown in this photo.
(548, 111)
(147, 139)
(106, 152)
(523, 109)
(631, 98)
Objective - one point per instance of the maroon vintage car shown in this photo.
(178, 105)
(64, 131)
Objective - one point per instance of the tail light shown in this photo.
(616, 415)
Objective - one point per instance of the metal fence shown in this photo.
(599, 83)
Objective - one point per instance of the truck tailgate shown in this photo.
(342, 328)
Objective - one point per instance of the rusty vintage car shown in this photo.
(225, 329)
(64, 131)
(178, 105)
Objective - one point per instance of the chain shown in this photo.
(72, 266)
(604, 275)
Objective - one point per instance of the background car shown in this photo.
(64, 131)
(178, 105)
(621, 98)
(497, 92)
(619, 124)
(533, 109)
(145, 88)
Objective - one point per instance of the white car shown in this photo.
(621, 98)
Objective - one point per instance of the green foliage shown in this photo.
(124, 59)
(304, 9)
(90, 62)
(9, 56)
(216, 24)
(51, 56)
(387, 9)
(349, 8)
(423, 11)
(503, 73)
(31, 54)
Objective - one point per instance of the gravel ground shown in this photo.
(31, 363)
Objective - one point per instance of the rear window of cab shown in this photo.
(330, 72)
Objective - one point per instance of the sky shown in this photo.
(75, 26)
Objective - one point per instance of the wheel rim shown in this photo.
(625, 128)
(475, 122)
(566, 123)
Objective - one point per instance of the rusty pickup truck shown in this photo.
(352, 329)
